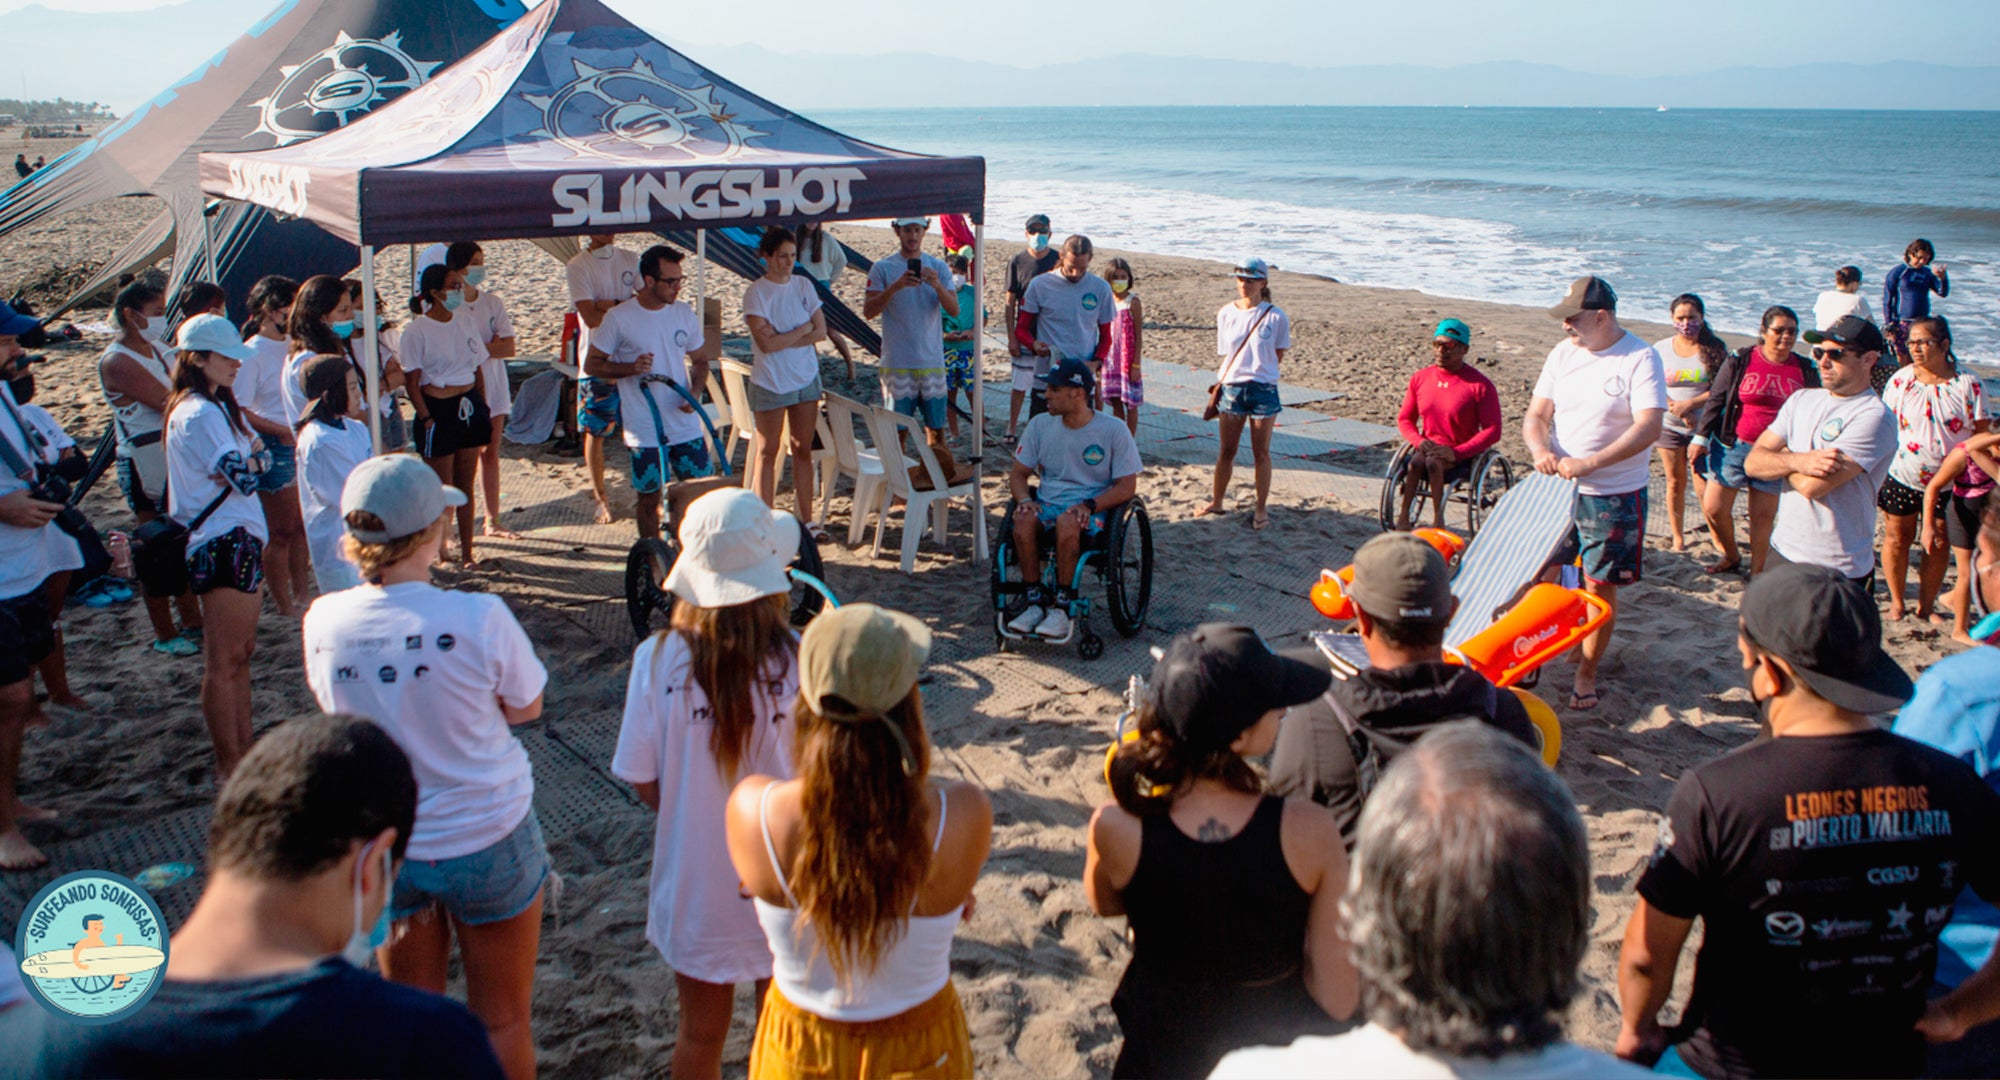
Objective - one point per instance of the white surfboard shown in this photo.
(103, 960)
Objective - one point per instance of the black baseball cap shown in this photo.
(1849, 331)
(1071, 373)
(1827, 628)
(1217, 680)
(1038, 223)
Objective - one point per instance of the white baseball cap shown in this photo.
(902, 221)
(213, 333)
(734, 549)
(399, 489)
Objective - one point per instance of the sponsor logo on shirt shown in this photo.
(1093, 454)
(413, 642)
(1784, 927)
(446, 642)
(1831, 430)
(681, 339)
(1829, 929)
(1837, 818)
(1089, 301)
(346, 673)
(422, 670)
(1899, 920)
(386, 673)
(1615, 386)
(1893, 875)
(1935, 917)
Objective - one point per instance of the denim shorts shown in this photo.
(1609, 537)
(762, 400)
(283, 471)
(597, 405)
(685, 461)
(234, 560)
(487, 886)
(1725, 467)
(1253, 399)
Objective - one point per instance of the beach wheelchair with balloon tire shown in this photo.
(1476, 485)
(1120, 556)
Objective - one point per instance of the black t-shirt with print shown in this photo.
(1823, 869)
(1025, 267)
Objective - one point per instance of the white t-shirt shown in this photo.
(613, 277)
(199, 436)
(833, 259)
(133, 418)
(488, 316)
(1597, 396)
(695, 916)
(1258, 362)
(1068, 315)
(1839, 530)
(443, 353)
(326, 456)
(432, 667)
(1834, 305)
(628, 332)
(28, 556)
(52, 433)
(786, 307)
(260, 384)
(1370, 1051)
(291, 390)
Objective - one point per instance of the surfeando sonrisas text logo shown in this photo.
(93, 947)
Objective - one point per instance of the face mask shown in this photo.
(475, 276)
(1039, 241)
(454, 299)
(343, 329)
(603, 252)
(1121, 286)
(361, 943)
(153, 329)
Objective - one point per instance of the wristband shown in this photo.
(1091, 504)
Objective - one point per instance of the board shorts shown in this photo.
(929, 1039)
(1725, 467)
(1609, 537)
(1024, 378)
(282, 472)
(918, 392)
(1961, 520)
(27, 635)
(1252, 399)
(762, 400)
(234, 560)
(458, 422)
(597, 406)
(136, 496)
(958, 371)
(1051, 511)
(651, 465)
(491, 885)
(1898, 499)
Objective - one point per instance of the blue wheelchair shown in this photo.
(1121, 556)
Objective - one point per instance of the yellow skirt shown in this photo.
(929, 1042)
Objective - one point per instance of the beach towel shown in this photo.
(535, 406)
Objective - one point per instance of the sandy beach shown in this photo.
(1035, 967)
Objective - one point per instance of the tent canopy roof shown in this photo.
(572, 121)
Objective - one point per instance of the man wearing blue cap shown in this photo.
(1451, 415)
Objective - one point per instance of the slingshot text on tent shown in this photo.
(704, 195)
(279, 187)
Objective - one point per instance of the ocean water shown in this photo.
(1746, 208)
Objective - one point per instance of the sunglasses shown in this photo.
(1821, 352)
(1789, 330)
(676, 282)
(1928, 343)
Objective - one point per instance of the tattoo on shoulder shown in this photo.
(1212, 831)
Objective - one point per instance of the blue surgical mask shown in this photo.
(1040, 241)
(475, 276)
(343, 329)
(361, 945)
(454, 299)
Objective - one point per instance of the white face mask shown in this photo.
(153, 328)
(361, 943)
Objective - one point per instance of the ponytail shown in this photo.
(432, 281)
(1148, 773)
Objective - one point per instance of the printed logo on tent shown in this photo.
(632, 114)
(347, 78)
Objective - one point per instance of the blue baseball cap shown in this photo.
(1453, 329)
(1071, 373)
(13, 323)
(1252, 268)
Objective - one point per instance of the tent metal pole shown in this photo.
(701, 274)
(371, 368)
(979, 386)
(208, 243)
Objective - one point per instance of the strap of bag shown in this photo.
(1223, 375)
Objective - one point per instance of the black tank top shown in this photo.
(1226, 912)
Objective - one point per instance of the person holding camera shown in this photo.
(59, 463)
(32, 548)
(215, 467)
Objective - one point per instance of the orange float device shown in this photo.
(1547, 622)
(1329, 593)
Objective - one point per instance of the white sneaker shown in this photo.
(1054, 625)
(1028, 620)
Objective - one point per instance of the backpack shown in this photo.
(1374, 750)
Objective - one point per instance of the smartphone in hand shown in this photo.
(916, 268)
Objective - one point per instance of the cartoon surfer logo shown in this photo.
(93, 946)
(634, 114)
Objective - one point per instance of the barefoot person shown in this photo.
(443, 354)
(1252, 336)
(446, 674)
(1938, 406)
(488, 315)
(600, 278)
(1956, 495)
(1450, 415)
(783, 312)
(862, 868)
(1690, 359)
(1744, 397)
(708, 703)
(1596, 409)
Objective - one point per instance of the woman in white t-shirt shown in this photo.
(261, 382)
(333, 441)
(445, 673)
(444, 357)
(1689, 358)
(783, 312)
(822, 258)
(215, 465)
(710, 702)
(489, 316)
(1252, 336)
(136, 374)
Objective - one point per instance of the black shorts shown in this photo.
(26, 635)
(1961, 520)
(1898, 499)
(458, 422)
(234, 560)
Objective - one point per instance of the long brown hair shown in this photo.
(730, 650)
(189, 378)
(1150, 772)
(315, 300)
(863, 848)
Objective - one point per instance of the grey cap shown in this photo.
(399, 489)
(1399, 576)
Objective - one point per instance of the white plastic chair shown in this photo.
(736, 381)
(717, 408)
(888, 428)
(851, 459)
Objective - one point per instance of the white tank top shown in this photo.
(135, 418)
(909, 973)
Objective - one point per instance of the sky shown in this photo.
(1612, 37)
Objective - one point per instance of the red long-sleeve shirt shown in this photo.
(1459, 409)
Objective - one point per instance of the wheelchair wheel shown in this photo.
(1490, 479)
(1548, 728)
(1129, 567)
(1392, 490)
(1003, 570)
(647, 602)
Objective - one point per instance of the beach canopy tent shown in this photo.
(309, 67)
(574, 121)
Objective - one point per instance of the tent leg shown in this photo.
(979, 387)
(701, 274)
(208, 243)
(371, 369)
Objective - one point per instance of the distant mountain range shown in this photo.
(123, 59)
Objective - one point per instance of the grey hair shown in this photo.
(1076, 244)
(1469, 898)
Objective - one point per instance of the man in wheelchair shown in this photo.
(1088, 463)
(1451, 415)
